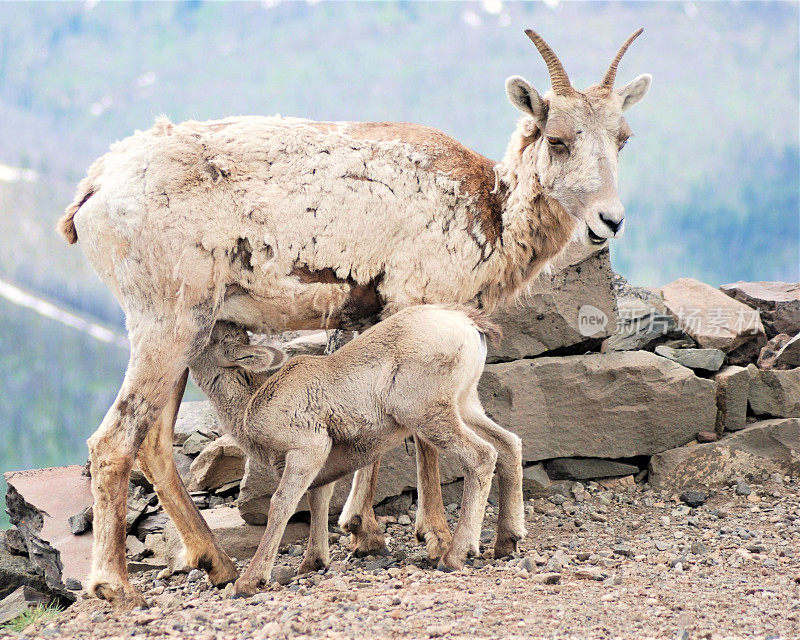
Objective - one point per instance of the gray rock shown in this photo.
(769, 352)
(777, 302)
(81, 522)
(693, 498)
(771, 445)
(73, 584)
(196, 442)
(712, 319)
(703, 359)
(642, 319)
(774, 393)
(548, 316)
(282, 574)
(535, 481)
(743, 489)
(587, 468)
(558, 406)
(221, 462)
(733, 387)
(196, 417)
(194, 575)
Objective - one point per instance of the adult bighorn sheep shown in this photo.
(321, 417)
(281, 223)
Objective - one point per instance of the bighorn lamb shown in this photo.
(279, 223)
(322, 417)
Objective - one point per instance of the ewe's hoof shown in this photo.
(312, 564)
(122, 597)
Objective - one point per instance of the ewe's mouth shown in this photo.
(594, 238)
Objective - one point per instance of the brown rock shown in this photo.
(777, 302)
(733, 385)
(222, 461)
(642, 319)
(20, 601)
(574, 406)
(238, 539)
(712, 319)
(707, 436)
(769, 445)
(774, 393)
(769, 352)
(547, 316)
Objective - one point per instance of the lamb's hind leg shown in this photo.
(201, 548)
(358, 516)
(158, 358)
(511, 519)
(444, 429)
(318, 555)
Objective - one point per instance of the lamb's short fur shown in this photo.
(282, 223)
(322, 417)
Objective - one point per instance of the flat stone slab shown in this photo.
(774, 393)
(703, 359)
(713, 319)
(59, 492)
(769, 445)
(588, 468)
(615, 405)
(777, 302)
(20, 601)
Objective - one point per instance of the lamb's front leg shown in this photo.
(302, 466)
(431, 525)
(318, 555)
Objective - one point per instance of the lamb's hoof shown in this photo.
(436, 540)
(444, 568)
(366, 538)
(507, 542)
(312, 564)
(123, 597)
(245, 587)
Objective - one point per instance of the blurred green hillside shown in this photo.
(710, 180)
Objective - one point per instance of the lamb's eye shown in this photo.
(555, 142)
(622, 143)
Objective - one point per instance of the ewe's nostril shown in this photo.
(614, 225)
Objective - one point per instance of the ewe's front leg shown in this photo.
(302, 466)
(318, 555)
(358, 516)
(431, 525)
(201, 548)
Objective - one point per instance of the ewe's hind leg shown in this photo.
(511, 519)
(158, 358)
(201, 548)
(358, 516)
(318, 555)
(445, 430)
(431, 525)
(302, 466)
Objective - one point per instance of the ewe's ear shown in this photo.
(257, 358)
(635, 90)
(525, 98)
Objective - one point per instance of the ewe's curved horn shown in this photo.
(559, 79)
(611, 74)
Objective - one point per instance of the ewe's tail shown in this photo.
(86, 189)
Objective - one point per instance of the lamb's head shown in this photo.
(571, 140)
(229, 350)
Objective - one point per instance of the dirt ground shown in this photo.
(598, 562)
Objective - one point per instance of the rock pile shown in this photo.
(677, 386)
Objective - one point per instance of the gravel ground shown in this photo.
(599, 562)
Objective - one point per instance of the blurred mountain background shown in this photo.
(710, 180)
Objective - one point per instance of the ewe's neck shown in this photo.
(535, 228)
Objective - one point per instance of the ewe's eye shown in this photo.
(622, 143)
(555, 142)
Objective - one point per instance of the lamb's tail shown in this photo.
(86, 189)
(487, 327)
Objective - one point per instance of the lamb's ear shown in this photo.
(524, 97)
(635, 90)
(257, 358)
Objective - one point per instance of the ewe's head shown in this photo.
(574, 138)
(230, 348)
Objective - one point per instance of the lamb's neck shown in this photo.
(229, 391)
(535, 228)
